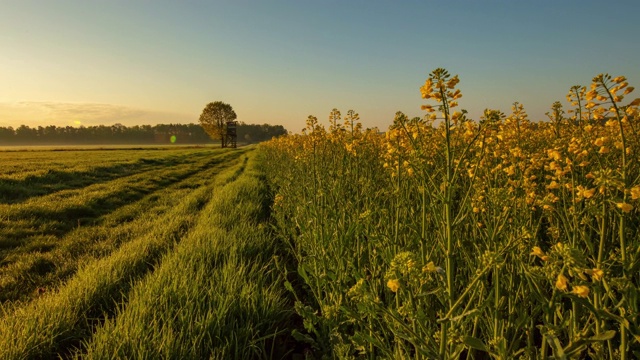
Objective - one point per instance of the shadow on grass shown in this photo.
(16, 191)
(22, 224)
(26, 264)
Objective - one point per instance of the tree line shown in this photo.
(138, 134)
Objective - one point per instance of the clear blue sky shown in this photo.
(145, 62)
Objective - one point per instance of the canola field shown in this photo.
(448, 238)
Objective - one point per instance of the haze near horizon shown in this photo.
(88, 63)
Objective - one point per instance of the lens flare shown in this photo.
(173, 139)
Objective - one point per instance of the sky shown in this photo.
(134, 62)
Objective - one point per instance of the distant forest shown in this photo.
(120, 134)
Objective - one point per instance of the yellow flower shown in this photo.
(599, 141)
(349, 148)
(581, 290)
(453, 82)
(429, 267)
(537, 251)
(587, 193)
(561, 283)
(624, 207)
(553, 185)
(619, 79)
(635, 192)
(584, 192)
(393, 284)
(554, 154)
(597, 274)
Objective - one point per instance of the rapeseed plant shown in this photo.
(446, 237)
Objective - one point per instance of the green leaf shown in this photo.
(287, 285)
(579, 345)
(607, 335)
(475, 343)
(363, 336)
(575, 348)
(624, 322)
(303, 273)
(303, 338)
(331, 275)
(558, 351)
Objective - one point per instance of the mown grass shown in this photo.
(27, 174)
(57, 319)
(45, 260)
(218, 295)
(60, 318)
(60, 212)
(189, 270)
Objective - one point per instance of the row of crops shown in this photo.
(449, 238)
(143, 254)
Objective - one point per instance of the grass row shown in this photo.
(43, 262)
(58, 213)
(215, 296)
(56, 322)
(21, 165)
(31, 174)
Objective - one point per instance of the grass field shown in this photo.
(96, 244)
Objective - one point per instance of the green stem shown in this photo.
(449, 266)
(496, 303)
(621, 233)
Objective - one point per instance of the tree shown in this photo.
(214, 118)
